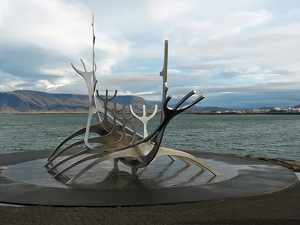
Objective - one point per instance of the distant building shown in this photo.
(276, 109)
(293, 110)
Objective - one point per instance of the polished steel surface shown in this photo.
(114, 139)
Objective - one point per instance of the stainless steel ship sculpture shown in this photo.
(114, 139)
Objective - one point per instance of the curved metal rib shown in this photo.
(187, 156)
(105, 139)
(129, 152)
(134, 123)
(123, 154)
(97, 128)
(62, 151)
(67, 159)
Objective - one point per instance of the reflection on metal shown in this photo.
(114, 139)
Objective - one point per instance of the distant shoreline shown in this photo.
(187, 112)
(246, 113)
(17, 113)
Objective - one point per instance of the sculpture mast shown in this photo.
(164, 73)
(94, 40)
(94, 71)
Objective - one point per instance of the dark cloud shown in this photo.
(24, 61)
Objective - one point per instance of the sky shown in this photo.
(238, 53)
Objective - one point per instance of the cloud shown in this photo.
(141, 68)
(49, 24)
(8, 81)
(233, 24)
(234, 52)
(162, 11)
(58, 28)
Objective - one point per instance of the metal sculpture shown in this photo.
(114, 139)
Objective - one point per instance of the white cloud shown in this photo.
(45, 85)
(248, 19)
(162, 11)
(56, 71)
(145, 93)
(218, 47)
(141, 68)
(51, 25)
(9, 81)
(62, 27)
(193, 31)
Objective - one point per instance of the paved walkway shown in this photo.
(281, 207)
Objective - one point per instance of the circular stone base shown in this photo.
(24, 180)
(162, 173)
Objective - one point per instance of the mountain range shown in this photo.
(27, 101)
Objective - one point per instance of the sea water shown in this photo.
(275, 136)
